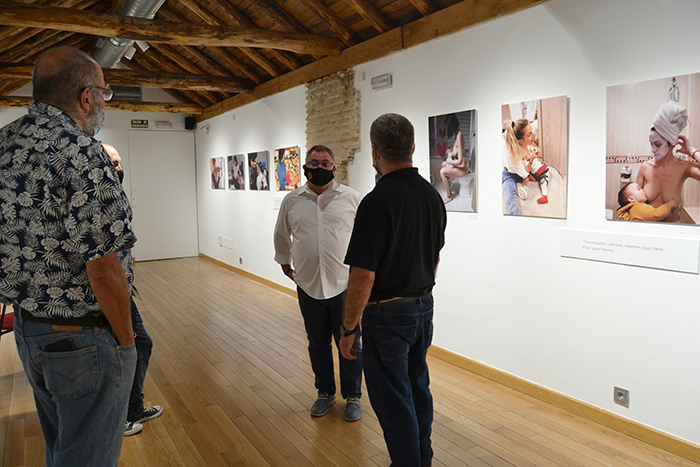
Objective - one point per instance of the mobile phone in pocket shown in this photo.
(66, 345)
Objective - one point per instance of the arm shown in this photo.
(645, 212)
(359, 288)
(641, 175)
(687, 149)
(108, 281)
(283, 242)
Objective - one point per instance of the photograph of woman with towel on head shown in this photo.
(649, 134)
(535, 155)
(452, 140)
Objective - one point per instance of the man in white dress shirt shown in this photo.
(312, 233)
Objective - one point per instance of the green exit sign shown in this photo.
(139, 123)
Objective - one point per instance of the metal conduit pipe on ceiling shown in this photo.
(111, 50)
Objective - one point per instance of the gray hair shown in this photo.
(394, 137)
(320, 148)
(61, 74)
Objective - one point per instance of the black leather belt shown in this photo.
(87, 321)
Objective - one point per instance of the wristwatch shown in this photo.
(345, 333)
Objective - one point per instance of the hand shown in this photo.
(673, 204)
(685, 147)
(348, 347)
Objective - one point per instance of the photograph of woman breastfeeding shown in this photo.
(652, 169)
(452, 140)
(535, 155)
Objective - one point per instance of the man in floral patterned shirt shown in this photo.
(63, 218)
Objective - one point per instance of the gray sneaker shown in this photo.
(132, 428)
(353, 409)
(322, 405)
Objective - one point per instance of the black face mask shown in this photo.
(120, 175)
(319, 176)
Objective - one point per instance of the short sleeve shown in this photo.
(370, 235)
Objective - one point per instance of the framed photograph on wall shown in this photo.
(216, 166)
(535, 154)
(452, 139)
(236, 172)
(653, 130)
(258, 170)
(287, 169)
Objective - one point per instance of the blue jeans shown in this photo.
(144, 346)
(395, 341)
(322, 319)
(80, 395)
(510, 194)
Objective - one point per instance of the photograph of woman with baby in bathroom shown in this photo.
(652, 167)
(452, 140)
(534, 150)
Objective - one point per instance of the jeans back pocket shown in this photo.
(70, 375)
(395, 340)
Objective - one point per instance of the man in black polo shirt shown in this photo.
(393, 254)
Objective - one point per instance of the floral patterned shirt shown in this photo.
(61, 206)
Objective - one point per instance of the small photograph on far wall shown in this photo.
(535, 154)
(453, 159)
(236, 171)
(287, 169)
(653, 132)
(258, 170)
(216, 166)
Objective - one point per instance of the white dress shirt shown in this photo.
(312, 234)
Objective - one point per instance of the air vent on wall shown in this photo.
(127, 93)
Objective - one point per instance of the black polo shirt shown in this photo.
(398, 233)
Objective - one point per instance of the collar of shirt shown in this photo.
(306, 190)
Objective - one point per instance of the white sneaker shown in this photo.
(522, 191)
(132, 428)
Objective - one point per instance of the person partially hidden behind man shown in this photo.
(137, 413)
(393, 255)
(64, 217)
(312, 233)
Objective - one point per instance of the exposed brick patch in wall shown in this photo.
(333, 118)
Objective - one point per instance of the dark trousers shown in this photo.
(322, 319)
(396, 341)
(144, 346)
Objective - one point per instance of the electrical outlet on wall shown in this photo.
(622, 397)
(221, 240)
(240, 259)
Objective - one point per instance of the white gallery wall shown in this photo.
(504, 295)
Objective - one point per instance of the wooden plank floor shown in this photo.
(230, 367)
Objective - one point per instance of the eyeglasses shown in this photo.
(316, 164)
(107, 94)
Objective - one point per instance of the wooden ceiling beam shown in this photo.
(457, 17)
(103, 24)
(10, 30)
(426, 7)
(40, 42)
(168, 107)
(281, 17)
(151, 79)
(369, 12)
(332, 21)
(212, 20)
(239, 19)
(220, 52)
(174, 57)
(227, 57)
(155, 61)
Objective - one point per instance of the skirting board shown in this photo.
(269, 283)
(613, 421)
(610, 420)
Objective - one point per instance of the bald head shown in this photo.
(113, 155)
(61, 74)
